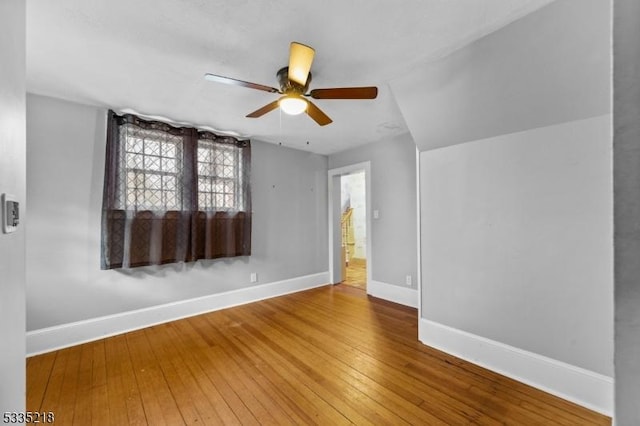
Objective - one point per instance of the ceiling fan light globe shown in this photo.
(292, 105)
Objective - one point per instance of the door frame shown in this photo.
(334, 202)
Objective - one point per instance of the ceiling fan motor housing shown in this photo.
(287, 86)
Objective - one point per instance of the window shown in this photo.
(219, 172)
(173, 194)
(153, 167)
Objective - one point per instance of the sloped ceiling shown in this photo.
(149, 57)
(550, 67)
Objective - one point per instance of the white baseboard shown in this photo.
(393, 293)
(575, 384)
(65, 335)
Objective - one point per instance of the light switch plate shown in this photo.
(10, 213)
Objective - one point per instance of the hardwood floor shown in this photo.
(356, 274)
(327, 356)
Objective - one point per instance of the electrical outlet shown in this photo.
(407, 280)
(253, 277)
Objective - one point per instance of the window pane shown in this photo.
(204, 169)
(151, 147)
(153, 198)
(131, 180)
(204, 184)
(217, 156)
(152, 163)
(228, 200)
(169, 165)
(139, 195)
(228, 171)
(134, 161)
(169, 150)
(153, 182)
(170, 199)
(169, 182)
(131, 198)
(204, 154)
(134, 145)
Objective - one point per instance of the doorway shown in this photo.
(350, 239)
(353, 235)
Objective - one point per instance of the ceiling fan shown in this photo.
(294, 82)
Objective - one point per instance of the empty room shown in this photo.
(289, 212)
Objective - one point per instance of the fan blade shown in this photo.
(265, 109)
(345, 93)
(318, 116)
(233, 81)
(300, 59)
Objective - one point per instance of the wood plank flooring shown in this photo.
(356, 274)
(327, 356)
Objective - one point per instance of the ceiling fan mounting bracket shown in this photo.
(287, 86)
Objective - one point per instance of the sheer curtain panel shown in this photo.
(173, 194)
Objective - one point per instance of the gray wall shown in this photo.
(549, 67)
(393, 193)
(65, 159)
(517, 235)
(517, 223)
(626, 166)
(12, 180)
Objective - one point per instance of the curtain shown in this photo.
(173, 194)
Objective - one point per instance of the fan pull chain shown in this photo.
(280, 119)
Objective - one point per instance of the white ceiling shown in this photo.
(149, 57)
